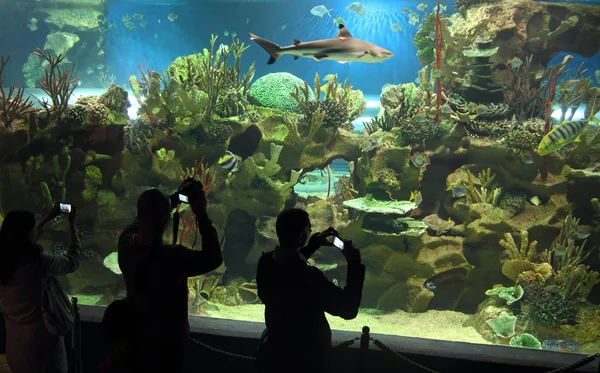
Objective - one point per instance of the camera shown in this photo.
(337, 242)
(190, 191)
(64, 208)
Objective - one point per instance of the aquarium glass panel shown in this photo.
(455, 143)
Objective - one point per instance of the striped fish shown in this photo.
(563, 135)
(229, 161)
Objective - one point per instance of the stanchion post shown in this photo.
(365, 338)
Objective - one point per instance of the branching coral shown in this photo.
(57, 84)
(271, 168)
(526, 251)
(222, 70)
(12, 105)
(486, 193)
(295, 137)
(135, 135)
(334, 106)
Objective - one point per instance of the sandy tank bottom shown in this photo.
(440, 325)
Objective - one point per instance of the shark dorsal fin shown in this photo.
(343, 33)
(296, 41)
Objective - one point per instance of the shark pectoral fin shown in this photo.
(296, 42)
(343, 62)
(319, 56)
(296, 57)
(364, 54)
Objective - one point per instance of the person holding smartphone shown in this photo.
(156, 276)
(29, 345)
(296, 297)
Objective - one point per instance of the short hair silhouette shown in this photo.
(154, 207)
(290, 225)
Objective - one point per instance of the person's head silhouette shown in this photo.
(154, 210)
(293, 229)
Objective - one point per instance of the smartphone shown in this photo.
(64, 207)
(183, 198)
(337, 242)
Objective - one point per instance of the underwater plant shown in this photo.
(135, 135)
(57, 84)
(379, 122)
(12, 105)
(486, 192)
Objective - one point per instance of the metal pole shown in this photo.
(364, 350)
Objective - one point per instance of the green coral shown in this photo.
(273, 90)
(511, 294)
(231, 103)
(546, 305)
(513, 202)
(98, 115)
(503, 325)
(219, 133)
(525, 340)
(522, 140)
(115, 98)
(486, 193)
(165, 155)
(157, 96)
(187, 71)
(424, 43)
(32, 71)
(92, 180)
(271, 168)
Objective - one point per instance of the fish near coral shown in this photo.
(564, 134)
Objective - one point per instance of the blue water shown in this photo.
(157, 44)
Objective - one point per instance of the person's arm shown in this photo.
(58, 265)
(51, 215)
(335, 300)
(194, 262)
(316, 241)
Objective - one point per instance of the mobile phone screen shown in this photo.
(65, 207)
(183, 198)
(338, 243)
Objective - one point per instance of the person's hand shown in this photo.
(322, 238)
(199, 206)
(73, 216)
(351, 253)
(54, 211)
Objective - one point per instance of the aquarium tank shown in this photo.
(455, 143)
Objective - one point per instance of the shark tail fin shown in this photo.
(271, 48)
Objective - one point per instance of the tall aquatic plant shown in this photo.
(58, 84)
(439, 40)
(12, 104)
(222, 70)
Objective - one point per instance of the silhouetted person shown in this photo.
(156, 275)
(296, 297)
(30, 348)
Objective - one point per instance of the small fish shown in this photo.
(438, 224)
(339, 21)
(420, 27)
(443, 8)
(233, 34)
(471, 106)
(329, 77)
(226, 33)
(406, 10)
(429, 285)
(446, 109)
(437, 73)
(432, 35)
(159, 21)
(535, 200)
(515, 63)
(417, 100)
(527, 158)
(421, 7)
(459, 191)
(482, 109)
(357, 8)
(466, 82)
(416, 197)
(583, 233)
(413, 21)
(427, 86)
(90, 70)
(420, 118)
(172, 16)
(143, 23)
(283, 27)
(100, 66)
(155, 36)
(247, 20)
(396, 27)
(320, 11)
(138, 16)
(229, 162)
(32, 24)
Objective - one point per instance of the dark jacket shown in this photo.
(296, 297)
(156, 278)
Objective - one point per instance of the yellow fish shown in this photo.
(564, 134)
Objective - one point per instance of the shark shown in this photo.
(343, 48)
